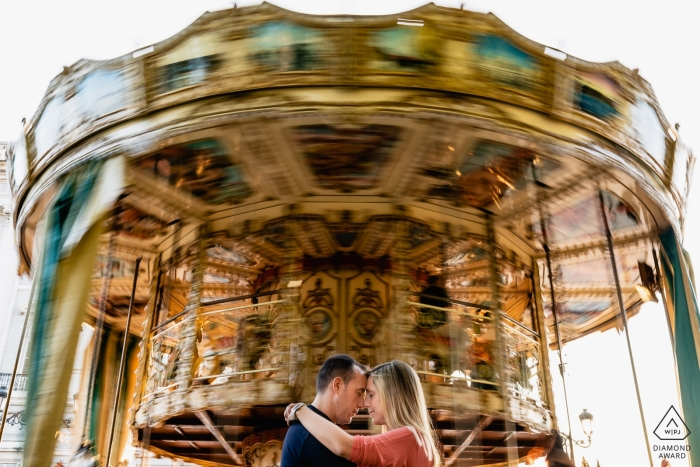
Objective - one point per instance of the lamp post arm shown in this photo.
(584, 444)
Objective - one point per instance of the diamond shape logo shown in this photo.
(672, 427)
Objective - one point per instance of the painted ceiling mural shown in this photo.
(580, 312)
(347, 157)
(228, 255)
(485, 175)
(201, 168)
(135, 223)
(583, 220)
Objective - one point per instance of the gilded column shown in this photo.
(188, 330)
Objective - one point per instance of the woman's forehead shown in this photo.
(370, 384)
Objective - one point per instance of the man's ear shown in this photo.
(337, 385)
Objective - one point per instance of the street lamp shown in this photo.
(586, 419)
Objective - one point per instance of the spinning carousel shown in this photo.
(266, 189)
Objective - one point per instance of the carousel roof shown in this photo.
(253, 116)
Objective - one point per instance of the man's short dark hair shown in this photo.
(340, 365)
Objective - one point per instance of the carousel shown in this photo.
(229, 207)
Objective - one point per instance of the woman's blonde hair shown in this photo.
(401, 396)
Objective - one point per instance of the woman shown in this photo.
(396, 402)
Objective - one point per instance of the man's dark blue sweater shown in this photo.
(303, 450)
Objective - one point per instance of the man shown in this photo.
(340, 393)
(439, 340)
(433, 295)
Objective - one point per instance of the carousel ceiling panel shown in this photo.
(123, 269)
(474, 279)
(202, 169)
(229, 255)
(585, 289)
(582, 221)
(377, 238)
(123, 263)
(347, 157)
(579, 312)
(592, 272)
(580, 315)
(235, 256)
(218, 280)
(274, 241)
(345, 233)
(593, 267)
(484, 176)
(137, 224)
(551, 190)
(460, 254)
(314, 238)
(148, 205)
(159, 199)
(264, 149)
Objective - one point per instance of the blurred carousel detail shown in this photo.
(286, 185)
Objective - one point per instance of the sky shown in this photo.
(39, 37)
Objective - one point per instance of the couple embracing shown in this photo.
(394, 397)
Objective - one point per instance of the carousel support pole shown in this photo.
(501, 343)
(541, 328)
(557, 331)
(122, 363)
(663, 300)
(99, 325)
(188, 331)
(623, 314)
(145, 344)
(401, 284)
(19, 349)
(173, 261)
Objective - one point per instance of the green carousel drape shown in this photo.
(686, 333)
(74, 222)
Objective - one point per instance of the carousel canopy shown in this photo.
(251, 117)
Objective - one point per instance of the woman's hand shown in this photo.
(328, 433)
(291, 411)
